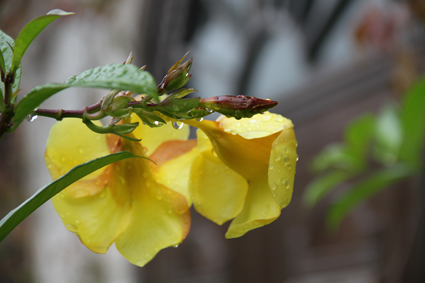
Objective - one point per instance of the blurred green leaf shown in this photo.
(112, 76)
(388, 135)
(317, 189)
(413, 122)
(359, 132)
(16, 216)
(30, 32)
(337, 156)
(365, 189)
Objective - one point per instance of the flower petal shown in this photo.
(160, 216)
(71, 143)
(173, 162)
(283, 159)
(97, 219)
(260, 209)
(153, 137)
(217, 191)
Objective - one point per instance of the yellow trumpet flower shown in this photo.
(131, 202)
(238, 169)
(244, 170)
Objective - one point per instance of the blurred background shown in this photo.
(326, 62)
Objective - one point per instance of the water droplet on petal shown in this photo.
(81, 193)
(282, 181)
(159, 195)
(199, 119)
(286, 184)
(209, 110)
(72, 228)
(175, 246)
(273, 187)
(277, 157)
(297, 158)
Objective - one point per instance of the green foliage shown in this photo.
(30, 32)
(394, 139)
(115, 76)
(16, 216)
(7, 45)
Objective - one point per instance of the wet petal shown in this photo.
(97, 219)
(71, 143)
(153, 137)
(260, 209)
(173, 162)
(217, 191)
(260, 125)
(160, 216)
(283, 159)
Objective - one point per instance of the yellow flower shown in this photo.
(238, 169)
(140, 206)
(244, 170)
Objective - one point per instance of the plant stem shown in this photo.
(59, 114)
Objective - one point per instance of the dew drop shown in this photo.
(176, 108)
(277, 157)
(159, 195)
(156, 123)
(252, 121)
(287, 184)
(283, 180)
(266, 118)
(273, 187)
(175, 246)
(297, 158)
(279, 119)
(286, 159)
(81, 193)
(286, 149)
(177, 126)
(271, 167)
(72, 228)
(237, 124)
(31, 118)
(122, 180)
(209, 110)
(199, 119)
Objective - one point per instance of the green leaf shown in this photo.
(358, 134)
(319, 187)
(16, 216)
(112, 76)
(30, 32)
(413, 123)
(388, 135)
(365, 189)
(338, 156)
(6, 47)
(180, 105)
(2, 68)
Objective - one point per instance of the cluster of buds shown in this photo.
(171, 104)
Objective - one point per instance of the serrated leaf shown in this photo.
(413, 124)
(30, 32)
(365, 189)
(112, 76)
(320, 186)
(16, 216)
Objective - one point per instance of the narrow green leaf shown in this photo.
(365, 189)
(112, 76)
(30, 32)
(413, 123)
(319, 187)
(2, 62)
(16, 216)
(388, 135)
